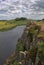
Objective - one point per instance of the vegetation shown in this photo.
(6, 26)
(20, 46)
(32, 53)
(41, 51)
(15, 63)
(32, 31)
(10, 24)
(41, 34)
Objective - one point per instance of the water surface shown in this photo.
(8, 41)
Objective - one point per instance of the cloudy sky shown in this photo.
(10, 9)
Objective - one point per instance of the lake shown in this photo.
(8, 41)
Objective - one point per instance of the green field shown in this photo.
(7, 25)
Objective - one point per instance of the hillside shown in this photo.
(30, 47)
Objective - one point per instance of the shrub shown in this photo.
(15, 63)
(20, 46)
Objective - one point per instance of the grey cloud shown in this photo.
(25, 8)
(38, 6)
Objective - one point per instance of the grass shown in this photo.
(41, 35)
(7, 25)
(10, 24)
(20, 46)
(41, 50)
(41, 23)
(15, 63)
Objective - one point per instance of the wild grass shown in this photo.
(7, 25)
(41, 50)
(41, 35)
(10, 24)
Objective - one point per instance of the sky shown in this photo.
(11, 9)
